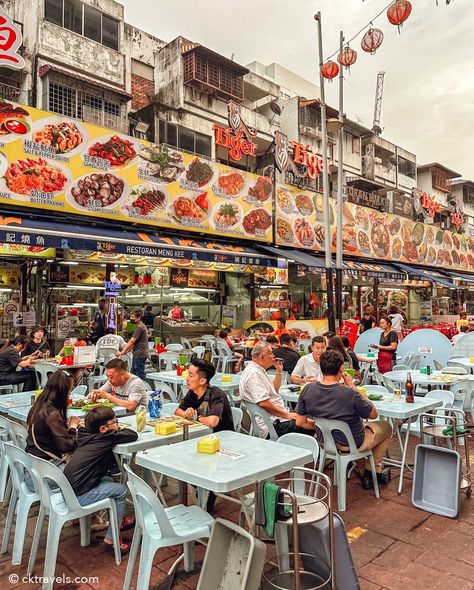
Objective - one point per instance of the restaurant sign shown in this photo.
(237, 138)
(402, 205)
(296, 158)
(10, 42)
(360, 197)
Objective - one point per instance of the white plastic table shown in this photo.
(21, 412)
(255, 459)
(422, 379)
(173, 379)
(15, 400)
(466, 361)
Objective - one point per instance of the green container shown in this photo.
(67, 350)
(157, 340)
(350, 372)
(423, 371)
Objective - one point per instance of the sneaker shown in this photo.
(100, 523)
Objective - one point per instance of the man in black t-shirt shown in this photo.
(286, 351)
(331, 400)
(203, 402)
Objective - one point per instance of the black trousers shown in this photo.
(28, 378)
(286, 426)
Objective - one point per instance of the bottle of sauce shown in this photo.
(409, 390)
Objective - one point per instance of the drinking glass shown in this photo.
(397, 393)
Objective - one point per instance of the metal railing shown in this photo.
(13, 93)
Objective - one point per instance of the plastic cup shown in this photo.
(350, 372)
(67, 350)
(397, 393)
(140, 417)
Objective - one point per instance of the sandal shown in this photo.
(125, 525)
(124, 547)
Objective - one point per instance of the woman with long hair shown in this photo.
(51, 435)
(387, 346)
(335, 343)
(10, 360)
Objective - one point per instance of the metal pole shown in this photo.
(327, 218)
(340, 188)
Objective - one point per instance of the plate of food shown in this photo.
(285, 231)
(304, 204)
(118, 150)
(362, 218)
(396, 248)
(98, 191)
(199, 172)
(304, 233)
(319, 233)
(160, 163)
(15, 121)
(190, 209)
(257, 222)
(364, 242)
(418, 233)
(62, 135)
(145, 202)
(260, 191)
(99, 403)
(35, 174)
(394, 226)
(347, 214)
(227, 216)
(410, 251)
(230, 183)
(380, 239)
(284, 200)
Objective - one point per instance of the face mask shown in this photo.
(133, 321)
(72, 340)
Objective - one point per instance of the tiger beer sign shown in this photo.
(237, 138)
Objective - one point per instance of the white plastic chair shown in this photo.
(342, 459)
(199, 351)
(169, 409)
(21, 500)
(79, 390)
(237, 415)
(385, 382)
(302, 441)
(462, 392)
(166, 390)
(61, 507)
(43, 371)
(447, 397)
(460, 366)
(104, 355)
(19, 434)
(168, 358)
(6, 389)
(401, 368)
(406, 358)
(174, 347)
(414, 362)
(255, 411)
(159, 527)
(186, 343)
(5, 481)
(226, 357)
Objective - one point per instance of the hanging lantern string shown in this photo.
(361, 30)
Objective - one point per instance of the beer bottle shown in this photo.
(409, 390)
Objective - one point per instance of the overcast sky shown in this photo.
(429, 81)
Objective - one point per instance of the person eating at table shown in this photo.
(89, 465)
(387, 346)
(335, 397)
(204, 402)
(122, 388)
(258, 387)
(224, 337)
(37, 343)
(10, 360)
(286, 351)
(307, 368)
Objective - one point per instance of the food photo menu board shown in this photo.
(55, 163)
(367, 232)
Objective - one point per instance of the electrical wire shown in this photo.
(370, 23)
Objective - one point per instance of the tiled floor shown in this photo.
(395, 547)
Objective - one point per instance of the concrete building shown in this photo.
(82, 60)
(435, 180)
(290, 83)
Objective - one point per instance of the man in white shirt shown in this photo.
(112, 340)
(307, 368)
(258, 387)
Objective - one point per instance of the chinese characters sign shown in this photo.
(10, 42)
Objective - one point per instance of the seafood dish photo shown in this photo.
(117, 150)
(13, 119)
(63, 137)
(285, 231)
(162, 164)
(349, 243)
(231, 184)
(145, 201)
(396, 248)
(347, 214)
(304, 233)
(34, 174)
(188, 208)
(394, 227)
(364, 242)
(362, 218)
(304, 204)
(380, 239)
(98, 190)
(227, 215)
(199, 172)
(262, 189)
(319, 233)
(285, 201)
(257, 221)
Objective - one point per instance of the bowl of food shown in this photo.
(199, 173)
(31, 176)
(160, 164)
(63, 136)
(118, 150)
(98, 191)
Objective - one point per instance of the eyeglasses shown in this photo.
(112, 422)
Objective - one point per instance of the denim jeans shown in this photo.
(107, 489)
(138, 368)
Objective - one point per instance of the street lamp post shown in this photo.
(327, 218)
(340, 189)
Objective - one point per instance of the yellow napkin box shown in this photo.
(226, 378)
(208, 444)
(471, 360)
(165, 428)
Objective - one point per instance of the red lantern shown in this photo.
(347, 57)
(372, 40)
(398, 12)
(330, 70)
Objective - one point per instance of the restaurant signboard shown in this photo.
(11, 39)
(62, 165)
(367, 233)
(361, 197)
(402, 205)
(296, 158)
(237, 138)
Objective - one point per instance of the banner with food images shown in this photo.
(51, 162)
(367, 233)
